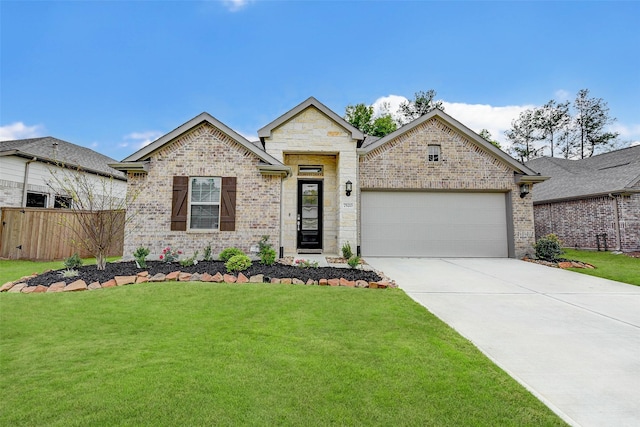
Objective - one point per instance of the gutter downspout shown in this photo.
(26, 181)
(616, 222)
(281, 248)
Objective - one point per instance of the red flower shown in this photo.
(161, 256)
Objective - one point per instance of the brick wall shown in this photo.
(577, 222)
(402, 164)
(203, 151)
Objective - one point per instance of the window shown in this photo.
(434, 153)
(204, 203)
(62, 202)
(36, 200)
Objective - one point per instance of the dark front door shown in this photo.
(309, 219)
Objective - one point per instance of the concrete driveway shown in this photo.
(573, 340)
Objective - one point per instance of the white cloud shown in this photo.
(19, 130)
(140, 139)
(236, 5)
(562, 95)
(391, 101)
(249, 136)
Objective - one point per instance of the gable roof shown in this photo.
(614, 172)
(56, 151)
(136, 160)
(518, 167)
(266, 130)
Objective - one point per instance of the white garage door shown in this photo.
(424, 224)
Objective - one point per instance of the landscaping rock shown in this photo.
(142, 279)
(275, 280)
(297, 281)
(228, 278)
(40, 289)
(17, 288)
(361, 284)
(334, 282)
(158, 277)
(373, 285)
(323, 282)
(206, 277)
(6, 286)
(109, 284)
(218, 277)
(125, 280)
(78, 285)
(144, 274)
(258, 278)
(312, 282)
(242, 278)
(59, 286)
(28, 289)
(347, 283)
(196, 277)
(184, 277)
(173, 275)
(286, 281)
(565, 264)
(93, 286)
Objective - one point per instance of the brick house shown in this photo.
(314, 182)
(585, 199)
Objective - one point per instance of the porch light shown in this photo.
(524, 190)
(348, 186)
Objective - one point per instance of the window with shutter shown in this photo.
(209, 203)
(179, 203)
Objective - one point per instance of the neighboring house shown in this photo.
(587, 198)
(314, 183)
(26, 167)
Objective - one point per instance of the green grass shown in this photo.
(253, 354)
(14, 269)
(620, 267)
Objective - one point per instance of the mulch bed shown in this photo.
(91, 274)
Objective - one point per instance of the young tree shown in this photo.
(484, 133)
(552, 119)
(592, 116)
(523, 136)
(99, 207)
(422, 103)
(362, 117)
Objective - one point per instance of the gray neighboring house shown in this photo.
(26, 166)
(590, 197)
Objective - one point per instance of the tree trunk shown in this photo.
(101, 261)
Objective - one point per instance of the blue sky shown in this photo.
(114, 75)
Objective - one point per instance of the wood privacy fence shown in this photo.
(44, 234)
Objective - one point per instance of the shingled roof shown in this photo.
(45, 150)
(614, 172)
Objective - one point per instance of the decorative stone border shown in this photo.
(561, 264)
(19, 286)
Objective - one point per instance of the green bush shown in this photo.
(207, 256)
(238, 263)
(548, 247)
(354, 261)
(347, 253)
(268, 256)
(140, 256)
(72, 262)
(228, 253)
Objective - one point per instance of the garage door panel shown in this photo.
(434, 224)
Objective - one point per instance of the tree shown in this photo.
(552, 119)
(485, 134)
(98, 207)
(523, 136)
(592, 115)
(362, 117)
(422, 103)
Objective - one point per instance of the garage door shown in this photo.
(424, 224)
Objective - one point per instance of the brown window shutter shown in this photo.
(228, 204)
(179, 204)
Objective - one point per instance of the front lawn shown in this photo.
(252, 354)
(12, 269)
(619, 267)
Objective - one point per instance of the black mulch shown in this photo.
(91, 274)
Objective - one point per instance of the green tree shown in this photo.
(422, 103)
(592, 116)
(553, 119)
(485, 134)
(384, 125)
(362, 117)
(523, 136)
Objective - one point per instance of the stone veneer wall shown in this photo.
(203, 151)
(312, 133)
(577, 222)
(402, 164)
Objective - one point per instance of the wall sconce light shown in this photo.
(524, 190)
(348, 186)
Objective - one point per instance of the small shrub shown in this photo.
(347, 253)
(228, 253)
(305, 263)
(354, 261)
(238, 262)
(268, 256)
(188, 262)
(140, 256)
(69, 273)
(207, 256)
(169, 255)
(264, 244)
(72, 262)
(548, 247)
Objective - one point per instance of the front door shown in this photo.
(309, 220)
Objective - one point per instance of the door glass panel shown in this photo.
(309, 206)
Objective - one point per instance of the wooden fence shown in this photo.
(44, 234)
